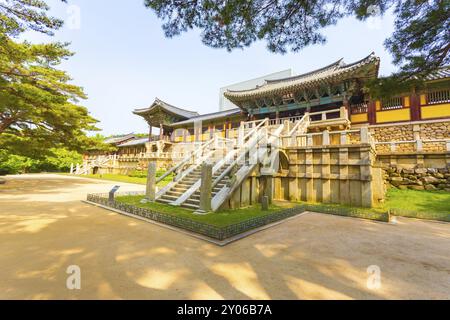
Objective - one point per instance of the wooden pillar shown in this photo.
(150, 133)
(371, 112)
(161, 132)
(415, 107)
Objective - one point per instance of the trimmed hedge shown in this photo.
(222, 233)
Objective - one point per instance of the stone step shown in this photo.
(193, 201)
(179, 189)
(169, 197)
(161, 200)
(173, 193)
(190, 206)
(184, 185)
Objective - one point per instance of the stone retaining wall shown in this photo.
(419, 178)
(410, 132)
(331, 174)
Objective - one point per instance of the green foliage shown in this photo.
(39, 108)
(57, 160)
(420, 43)
(17, 16)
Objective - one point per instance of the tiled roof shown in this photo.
(134, 142)
(210, 116)
(119, 139)
(168, 107)
(336, 70)
(439, 74)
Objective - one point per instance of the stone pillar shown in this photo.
(150, 190)
(366, 178)
(344, 183)
(344, 138)
(416, 131)
(326, 138)
(241, 134)
(309, 140)
(71, 168)
(419, 145)
(326, 171)
(309, 171)
(206, 188)
(267, 182)
(364, 135)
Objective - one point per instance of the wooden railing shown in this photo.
(436, 97)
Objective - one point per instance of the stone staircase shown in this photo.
(193, 202)
(181, 187)
(185, 191)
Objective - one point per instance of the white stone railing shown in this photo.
(326, 138)
(418, 145)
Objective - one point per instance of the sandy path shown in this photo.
(44, 228)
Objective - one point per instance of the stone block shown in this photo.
(430, 187)
(430, 180)
(419, 188)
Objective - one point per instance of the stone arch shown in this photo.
(283, 162)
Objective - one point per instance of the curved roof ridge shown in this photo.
(370, 56)
(335, 69)
(170, 108)
(331, 65)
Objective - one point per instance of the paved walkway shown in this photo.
(44, 228)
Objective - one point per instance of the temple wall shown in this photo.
(409, 133)
(333, 174)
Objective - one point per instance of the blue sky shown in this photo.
(123, 61)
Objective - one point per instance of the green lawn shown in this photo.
(220, 218)
(124, 178)
(434, 205)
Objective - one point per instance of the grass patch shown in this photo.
(379, 214)
(219, 219)
(126, 178)
(433, 205)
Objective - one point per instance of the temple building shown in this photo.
(328, 132)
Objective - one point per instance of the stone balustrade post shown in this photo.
(393, 147)
(326, 138)
(309, 140)
(150, 191)
(364, 135)
(344, 138)
(419, 145)
(206, 188)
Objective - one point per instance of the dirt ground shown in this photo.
(45, 228)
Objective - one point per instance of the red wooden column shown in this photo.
(371, 112)
(415, 107)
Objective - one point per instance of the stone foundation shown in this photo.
(412, 131)
(419, 178)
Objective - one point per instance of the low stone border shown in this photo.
(230, 231)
